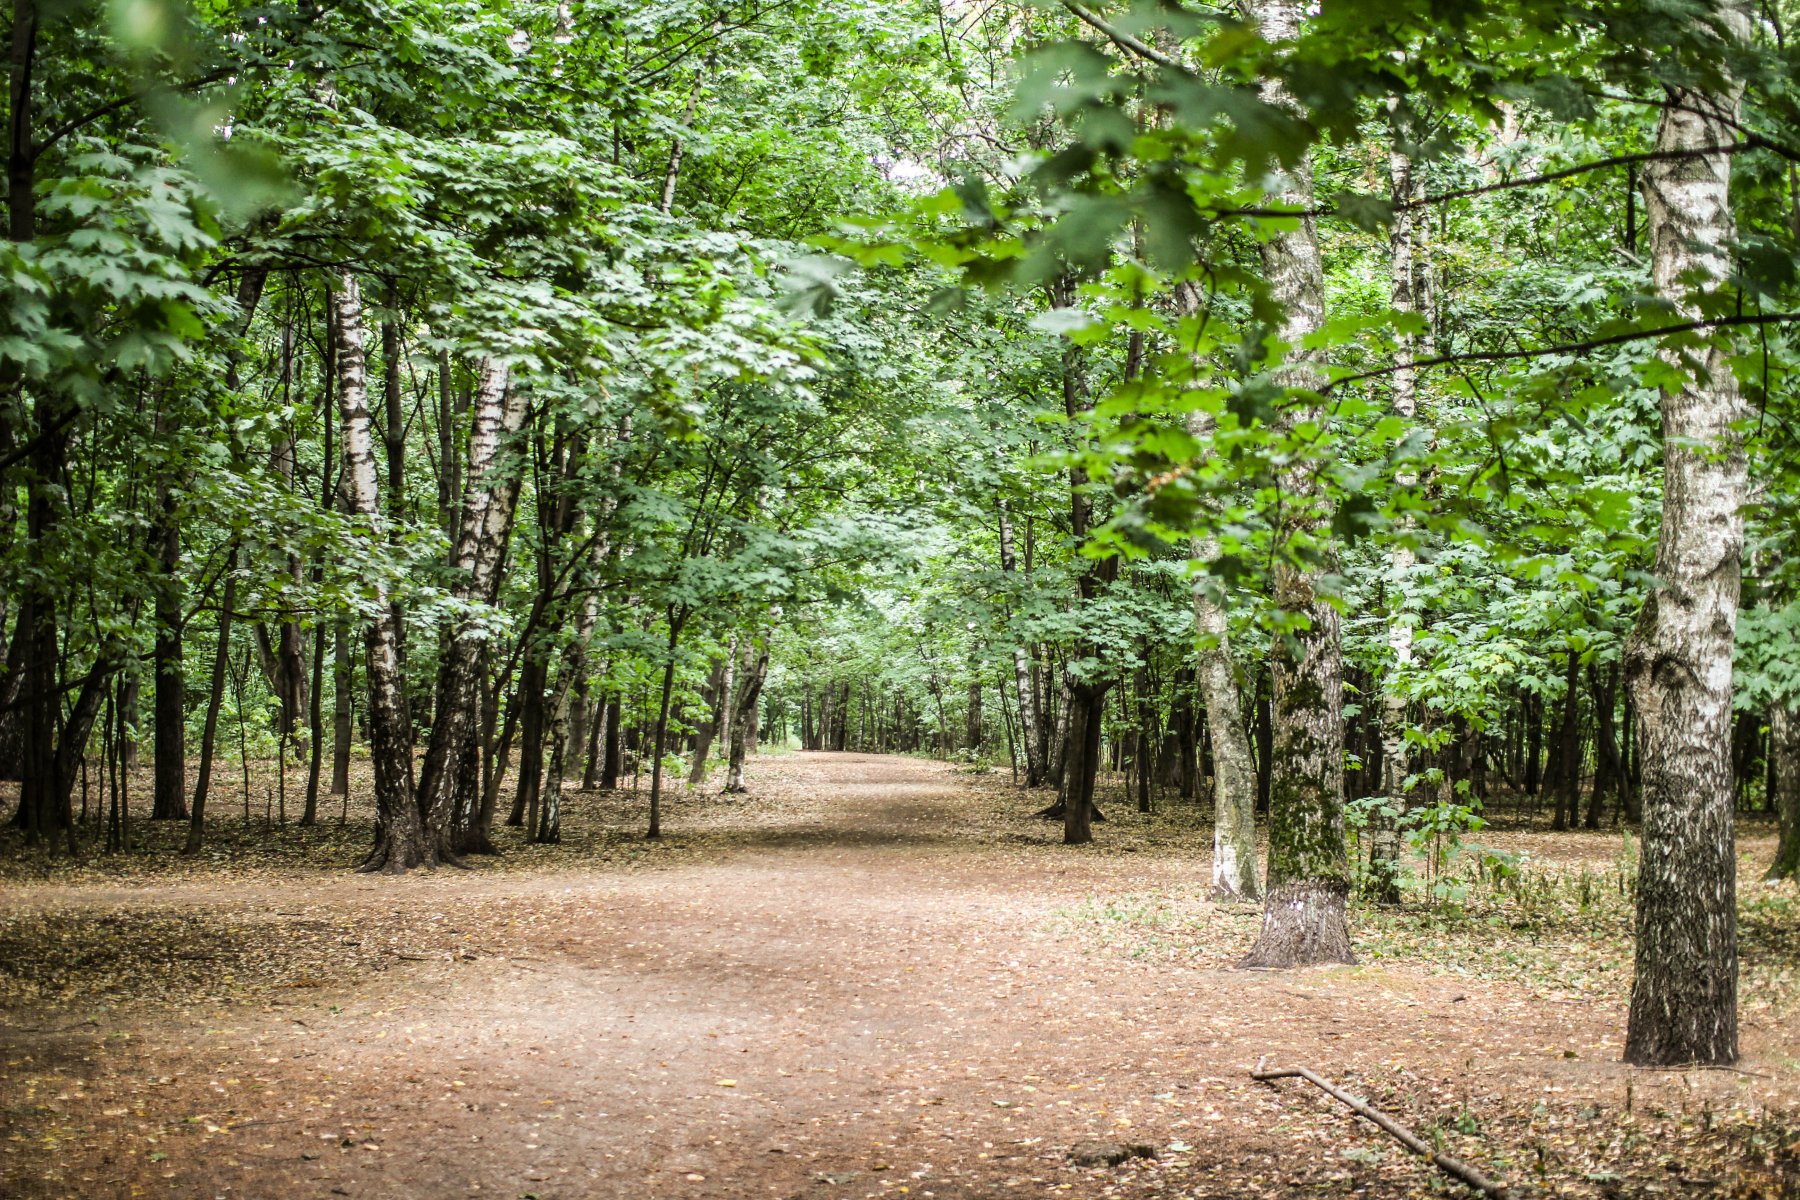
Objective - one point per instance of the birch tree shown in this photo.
(400, 840)
(1679, 657)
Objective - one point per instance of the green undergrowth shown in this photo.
(1556, 930)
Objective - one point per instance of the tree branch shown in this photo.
(87, 118)
(1617, 339)
(1125, 41)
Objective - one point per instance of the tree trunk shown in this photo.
(1309, 870)
(753, 668)
(1679, 656)
(215, 696)
(169, 786)
(1234, 765)
(1029, 718)
(676, 620)
(343, 727)
(1784, 748)
(718, 695)
(1609, 773)
(400, 841)
(1081, 762)
(483, 530)
(1568, 747)
(1385, 842)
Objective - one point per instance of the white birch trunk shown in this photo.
(1678, 658)
(400, 843)
(498, 412)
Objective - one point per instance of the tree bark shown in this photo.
(1309, 870)
(215, 696)
(1679, 656)
(752, 669)
(400, 841)
(1784, 748)
(169, 785)
(485, 525)
(1234, 765)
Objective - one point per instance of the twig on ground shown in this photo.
(1453, 1167)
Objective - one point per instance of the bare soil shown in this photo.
(874, 977)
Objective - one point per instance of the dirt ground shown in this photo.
(875, 977)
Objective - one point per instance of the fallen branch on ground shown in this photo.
(1453, 1167)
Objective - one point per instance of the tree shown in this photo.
(1678, 661)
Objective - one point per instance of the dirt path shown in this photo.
(862, 998)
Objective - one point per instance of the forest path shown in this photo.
(861, 990)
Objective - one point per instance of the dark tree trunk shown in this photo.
(169, 786)
(1784, 750)
(753, 669)
(1534, 740)
(1609, 773)
(214, 698)
(1081, 761)
(343, 726)
(1568, 746)
(614, 765)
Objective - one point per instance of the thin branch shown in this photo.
(70, 126)
(1617, 339)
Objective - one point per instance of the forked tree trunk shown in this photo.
(1679, 655)
(718, 692)
(483, 530)
(1309, 869)
(400, 841)
(1784, 748)
(752, 668)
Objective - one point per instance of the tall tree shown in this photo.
(1678, 660)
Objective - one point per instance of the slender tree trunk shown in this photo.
(215, 697)
(401, 842)
(1385, 842)
(1679, 656)
(676, 620)
(614, 764)
(1309, 871)
(169, 788)
(1568, 746)
(1234, 766)
(343, 725)
(1784, 748)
